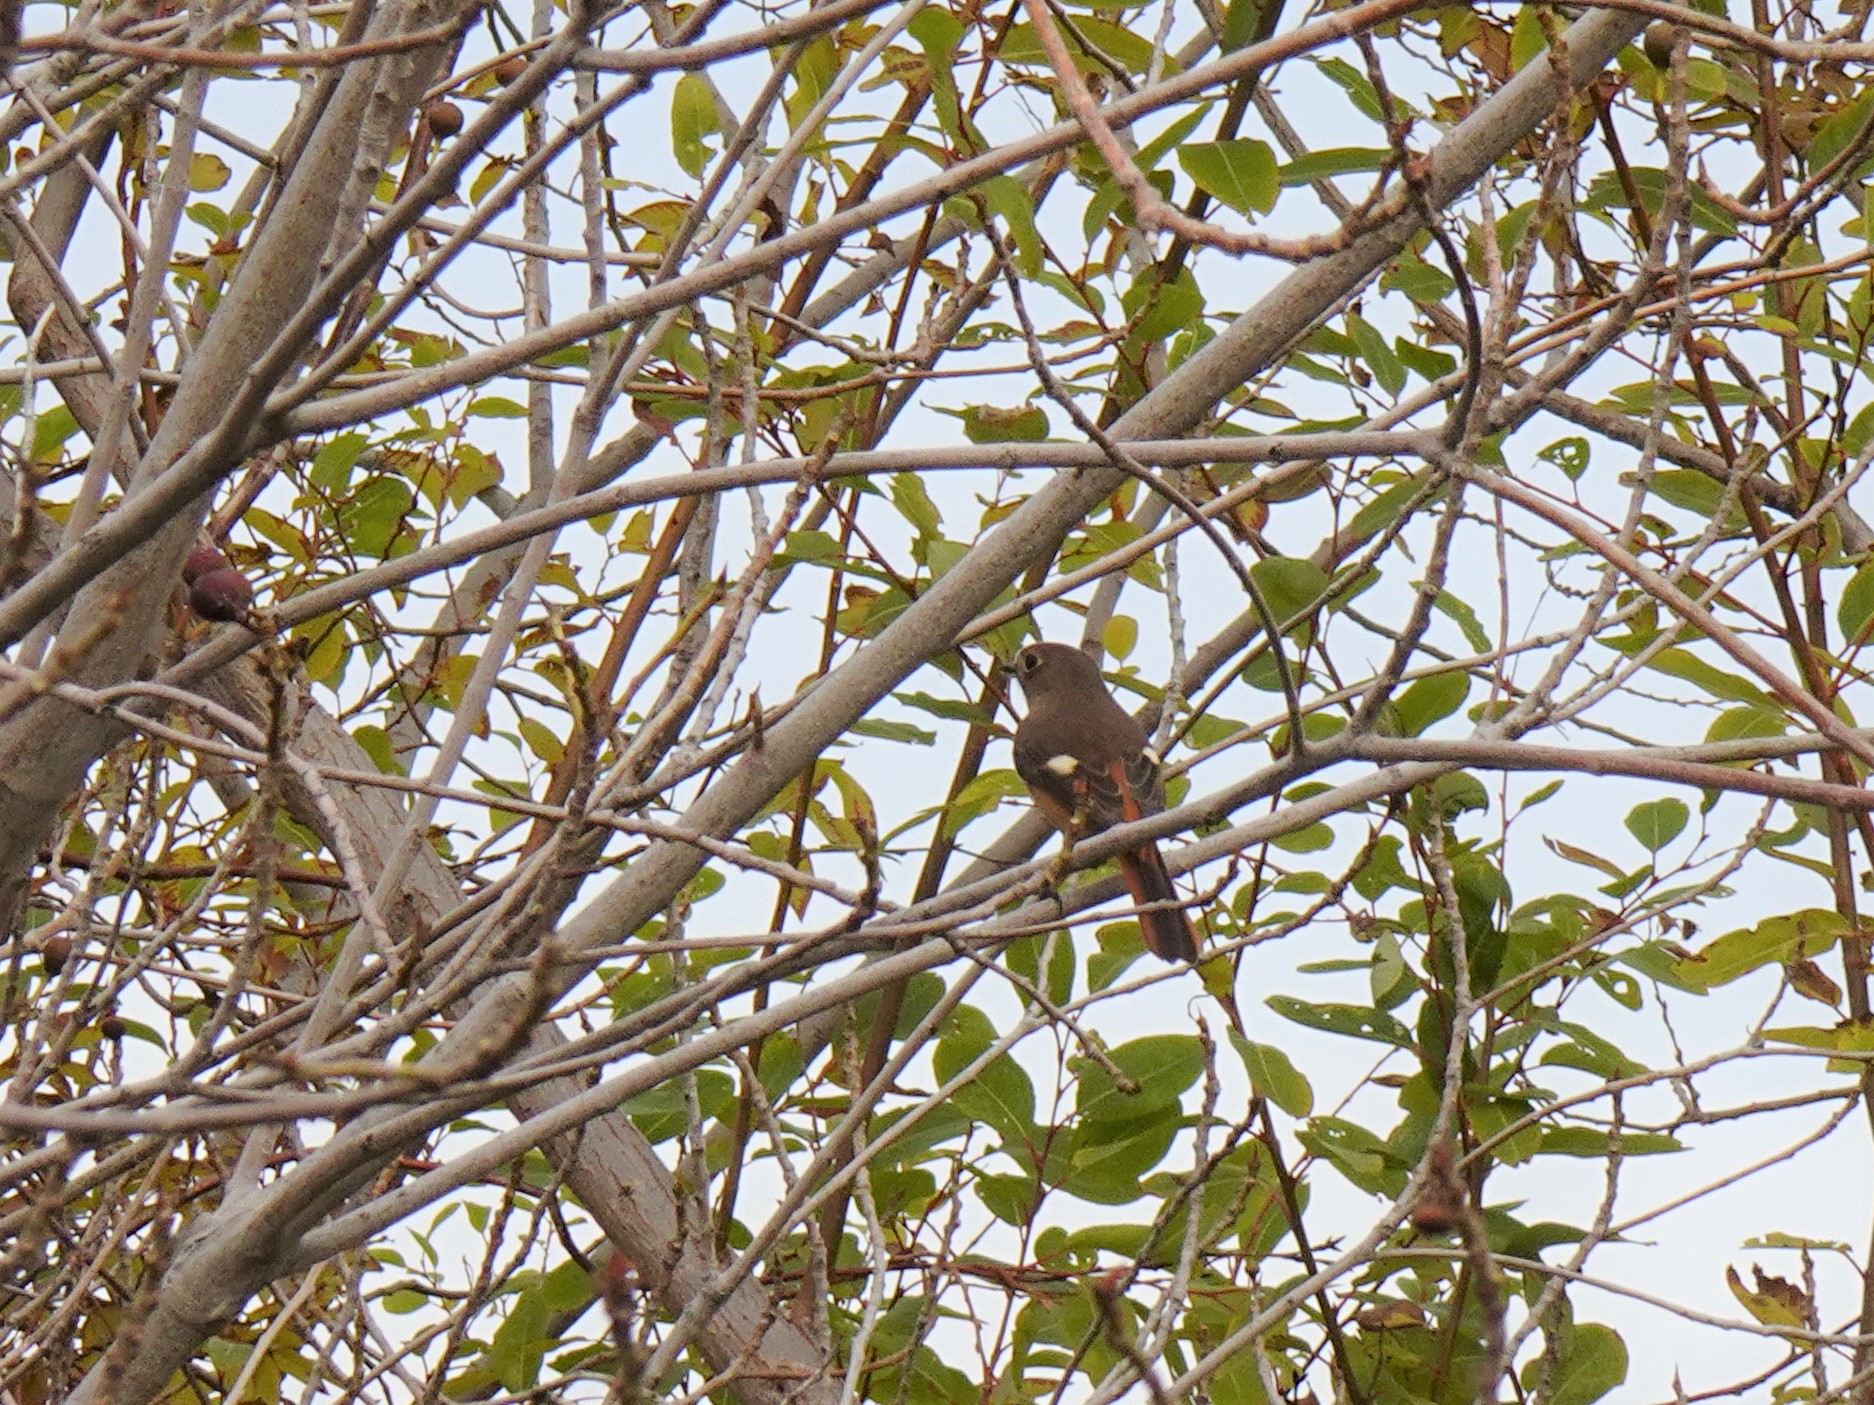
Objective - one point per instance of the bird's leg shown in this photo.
(1064, 861)
(1058, 870)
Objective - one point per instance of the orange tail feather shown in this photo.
(1167, 931)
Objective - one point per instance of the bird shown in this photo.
(1089, 766)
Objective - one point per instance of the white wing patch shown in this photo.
(1062, 765)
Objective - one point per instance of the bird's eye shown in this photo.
(1027, 660)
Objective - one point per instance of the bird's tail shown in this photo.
(1167, 930)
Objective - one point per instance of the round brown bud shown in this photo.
(445, 118)
(201, 561)
(1436, 1213)
(112, 1027)
(54, 952)
(1657, 43)
(509, 69)
(221, 595)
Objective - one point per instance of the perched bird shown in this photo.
(1088, 765)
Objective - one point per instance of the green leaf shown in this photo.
(1609, 192)
(1527, 37)
(474, 472)
(1160, 310)
(1009, 199)
(1593, 1361)
(1000, 1093)
(1309, 839)
(1429, 701)
(1689, 667)
(331, 469)
(1656, 823)
(1108, 1160)
(541, 739)
(1836, 132)
(991, 424)
(1162, 1065)
(1356, 85)
(1427, 286)
(981, 795)
(569, 1286)
(1242, 21)
(1382, 512)
(520, 1343)
(1130, 51)
(1461, 614)
(1740, 723)
(1377, 354)
(1274, 1076)
(939, 33)
(375, 514)
(1171, 138)
(207, 172)
(1126, 1240)
(1594, 1058)
(1593, 1142)
(54, 426)
(1312, 166)
(1356, 1021)
(1570, 455)
(1289, 584)
(813, 70)
(1860, 432)
(1363, 1158)
(908, 495)
(377, 744)
(693, 116)
(811, 544)
(893, 731)
(1693, 491)
(1241, 172)
(1001, 1096)
(1010, 1199)
(1856, 608)
(1809, 932)
(1120, 636)
(1587, 858)
(1456, 792)
(950, 709)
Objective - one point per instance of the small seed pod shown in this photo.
(1657, 43)
(56, 951)
(445, 118)
(201, 561)
(1437, 1211)
(1440, 1206)
(221, 595)
(112, 1027)
(509, 69)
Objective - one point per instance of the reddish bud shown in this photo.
(223, 594)
(55, 952)
(509, 69)
(444, 117)
(1440, 1206)
(201, 561)
(1436, 1212)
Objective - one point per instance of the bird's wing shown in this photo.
(1052, 780)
